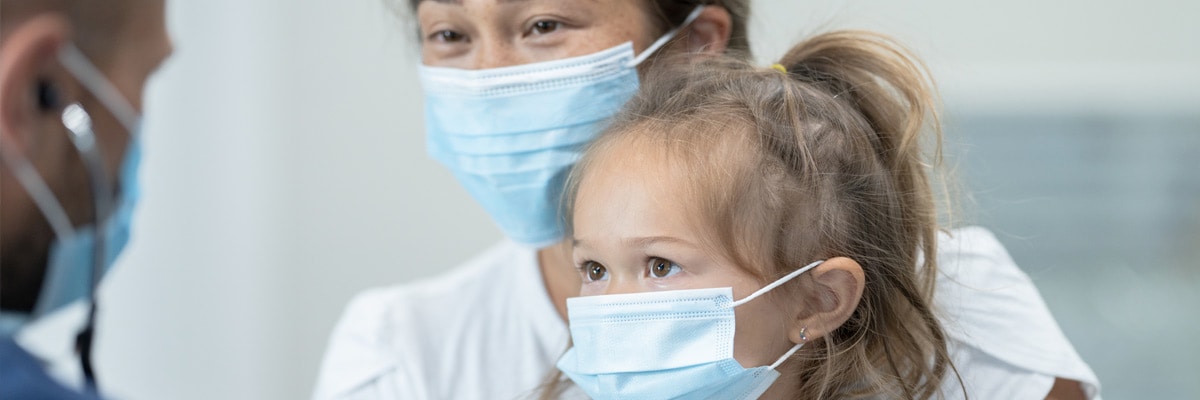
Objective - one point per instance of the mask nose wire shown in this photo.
(666, 37)
(776, 284)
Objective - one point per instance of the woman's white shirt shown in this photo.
(1004, 341)
(488, 330)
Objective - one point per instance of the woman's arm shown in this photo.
(1066, 389)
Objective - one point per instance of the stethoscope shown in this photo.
(79, 123)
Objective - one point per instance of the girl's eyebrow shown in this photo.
(644, 241)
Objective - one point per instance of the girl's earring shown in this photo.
(803, 336)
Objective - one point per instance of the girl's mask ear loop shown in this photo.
(773, 285)
(803, 341)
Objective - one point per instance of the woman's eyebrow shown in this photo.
(643, 241)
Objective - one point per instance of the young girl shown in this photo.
(746, 231)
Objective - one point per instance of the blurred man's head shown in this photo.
(126, 40)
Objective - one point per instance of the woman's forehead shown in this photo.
(496, 33)
(640, 4)
(484, 2)
(626, 12)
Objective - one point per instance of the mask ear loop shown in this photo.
(776, 284)
(666, 37)
(787, 355)
(772, 285)
(42, 196)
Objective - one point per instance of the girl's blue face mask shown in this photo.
(671, 344)
(510, 135)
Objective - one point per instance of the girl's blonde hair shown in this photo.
(820, 156)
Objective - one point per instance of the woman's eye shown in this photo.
(662, 268)
(595, 271)
(544, 26)
(447, 36)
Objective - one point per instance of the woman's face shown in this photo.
(632, 233)
(479, 34)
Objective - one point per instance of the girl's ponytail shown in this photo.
(890, 89)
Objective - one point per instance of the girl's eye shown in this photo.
(662, 268)
(544, 26)
(447, 36)
(595, 271)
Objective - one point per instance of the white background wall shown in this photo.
(1022, 55)
(285, 171)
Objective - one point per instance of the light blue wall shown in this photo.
(1103, 211)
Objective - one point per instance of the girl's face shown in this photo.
(632, 234)
(479, 34)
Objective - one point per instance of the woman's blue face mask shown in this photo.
(510, 135)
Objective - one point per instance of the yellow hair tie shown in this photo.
(779, 67)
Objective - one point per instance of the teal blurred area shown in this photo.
(1103, 212)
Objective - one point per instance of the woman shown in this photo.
(514, 89)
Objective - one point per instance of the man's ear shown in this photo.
(835, 291)
(710, 32)
(31, 80)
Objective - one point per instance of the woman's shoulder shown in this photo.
(403, 331)
(495, 269)
(992, 308)
(971, 258)
(972, 244)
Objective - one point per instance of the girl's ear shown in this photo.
(709, 33)
(837, 287)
